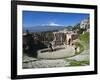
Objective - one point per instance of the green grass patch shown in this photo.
(84, 40)
(84, 37)
(78, 63)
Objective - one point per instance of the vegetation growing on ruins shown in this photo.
(84, 38)
(83, 44)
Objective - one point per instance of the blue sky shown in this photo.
(33, 18)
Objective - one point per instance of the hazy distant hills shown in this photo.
(43, 28)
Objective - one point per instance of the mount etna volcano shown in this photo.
(43, 28)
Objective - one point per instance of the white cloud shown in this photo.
(53, 24)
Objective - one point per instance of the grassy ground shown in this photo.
(84, 40)
(78, 63)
